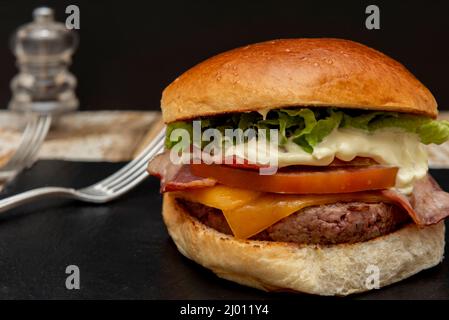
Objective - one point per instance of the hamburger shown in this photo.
(350, 205)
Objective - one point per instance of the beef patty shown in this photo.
(325, 224)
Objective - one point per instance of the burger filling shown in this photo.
(342, 176)
(324, 224)
(318, 137)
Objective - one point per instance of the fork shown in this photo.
(32, 139)
(103, 191)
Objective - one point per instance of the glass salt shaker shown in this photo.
(43, 49)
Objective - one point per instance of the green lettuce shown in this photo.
(434, 132)
(307, 127)
(186, 125)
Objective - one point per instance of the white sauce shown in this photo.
(388, 146)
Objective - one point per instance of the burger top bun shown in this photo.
(296, 72)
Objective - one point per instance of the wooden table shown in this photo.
(86, 136)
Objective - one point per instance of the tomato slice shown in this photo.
(307, 181)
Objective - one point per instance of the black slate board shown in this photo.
(123, 250)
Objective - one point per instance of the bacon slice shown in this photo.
(176, 177)
(427, 205)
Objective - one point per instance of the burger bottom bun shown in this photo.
(340, 269)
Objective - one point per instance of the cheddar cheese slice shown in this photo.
(220, 197)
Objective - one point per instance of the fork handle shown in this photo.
(33, 195)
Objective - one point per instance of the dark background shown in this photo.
(130, 50)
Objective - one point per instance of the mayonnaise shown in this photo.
(386, 146)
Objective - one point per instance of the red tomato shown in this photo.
(306, 181)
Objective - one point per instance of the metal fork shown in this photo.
(32, 139)
(103, 191)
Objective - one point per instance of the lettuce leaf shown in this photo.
(428, 130)
(307, 127)
(434, 132)
(323, 128)
(361, 121)
(177, 125)
(408, 123)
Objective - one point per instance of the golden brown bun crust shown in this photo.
(296, 72)
(325, 270)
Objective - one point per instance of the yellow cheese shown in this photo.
(255, 216)
(220, 197)
(250, 212)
